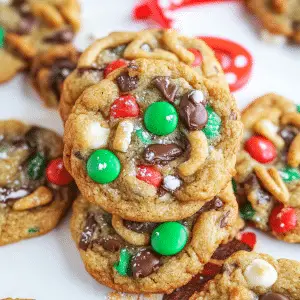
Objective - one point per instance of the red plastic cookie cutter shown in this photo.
(235, 60)
(158, 10)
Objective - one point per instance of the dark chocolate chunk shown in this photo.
(144, 263)
(296, 25)
(60, 70)
(162, 153)
(226, 250)
(26, 24)
(7, 194)
(192, 112)
(216, 203)
(127, 83)
(224, 220)
(63, 36)
(273, 296)
(166, 87)
(144, 227)
(87, 232)
(196, 284)
(18, 3)
(109, 243)
(288, 133)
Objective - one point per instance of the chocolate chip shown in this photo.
(144, 263)
(216, 203)
(26, 24)
(127, 83)
(79, 155)
(224, 220)
(109, 243)
(273, 296)
(192, 112)
(88, 231)
(288, 133)
(63, 36)
(162, 153)
(166, 87)
(196, 284)
(18, 3)
(296, 25)
(144, 227)
(233, 115)
(226, 250)
(60, 70)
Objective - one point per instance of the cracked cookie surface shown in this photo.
(35, 189)
(149, 257)
(268, 175)
(118, 48)
(32, 26)
(153, 141)
(249, 275)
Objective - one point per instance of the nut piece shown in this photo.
(41, 196)
(280, 6)
(293, 156)
(123, 136)
(267, 129)
(291, 118)
(272, 182)
(199, 153)
(20, 45)
(134, 238)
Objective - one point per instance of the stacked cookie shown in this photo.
(151, 144)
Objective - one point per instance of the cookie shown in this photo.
(148, 257)
(32, 26)
(250, 275)
(210, 270)
(35, 188)
(279, 18)
(268, 175)
(153, 141)
(49, 70)
(118, 48)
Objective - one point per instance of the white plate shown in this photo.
(49, 267)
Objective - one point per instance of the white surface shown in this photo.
(49, 267)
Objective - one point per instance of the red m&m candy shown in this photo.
(249, 238)
(113, 66)
(198, 57)
(261, 149)
(56, 172)
(149, 174)
(282, 219)
(125, 107)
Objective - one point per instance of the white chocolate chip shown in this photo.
(269, 125)
(97, 136)
(171, 183)
(260, 273)
(123, 136)
(198, 96)
(269, 37)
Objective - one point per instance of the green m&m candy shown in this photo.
(247, 212)
(122, 266)
(103, 166)
(290, 174)
(143, 136)
(298, 108)
(161, 118)
(169, 238)
(213, 125)
(36, 166)
(2, 34)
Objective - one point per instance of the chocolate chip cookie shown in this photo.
(35, 188)
(31, 26)
(148, 257)
(153, 141)
(118, 48)
(268, 175)
(280, 18)
(250, 275)
(49, 70)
